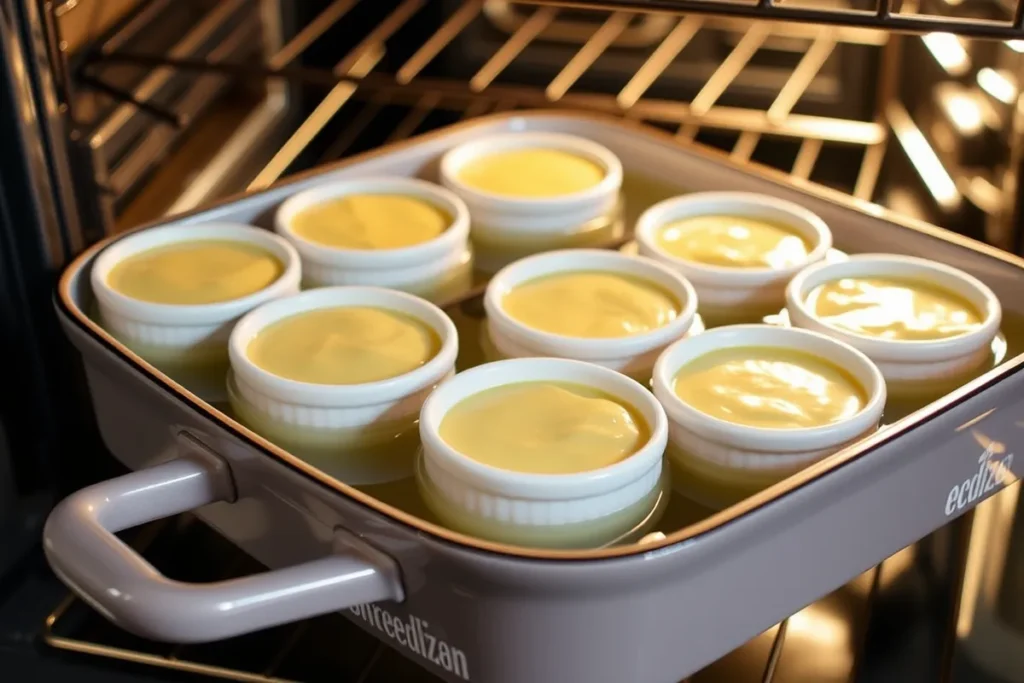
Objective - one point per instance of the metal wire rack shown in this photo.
(383, 70)
(828, 641)
(890, 15)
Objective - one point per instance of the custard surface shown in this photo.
(769, 387)
(531, 172)
(371, 221)
(593, 304)
(195, 272)
(344, 345)
(544, 428)
(893, 308)
(733, 242)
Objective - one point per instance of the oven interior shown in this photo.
(158, 106)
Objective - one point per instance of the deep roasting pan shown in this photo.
(472, 610)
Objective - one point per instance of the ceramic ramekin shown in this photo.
(436, 269)
(909, 367)
(188, 342)
(506, 228)
(633, 355)
(564, 510)
(359, 433)
(717, 463)
(729, 295)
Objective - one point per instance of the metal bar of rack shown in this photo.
(765, 661)
(356, 71)
(883, 16)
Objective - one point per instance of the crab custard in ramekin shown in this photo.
(172, 294)
(534, 192)
(337, 376)
(596, 305)
(739, 249)
(544, 452)
(748, 405)
(399, 233)
(929, 327)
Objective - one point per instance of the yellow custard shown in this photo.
(344, 345)
(199, 272)
(890, 308)
(591, 304)
(544, 428)
(371, 221)
(532, 172)
(733, 242)
(769, 387)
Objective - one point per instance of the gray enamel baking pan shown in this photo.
(476, 611)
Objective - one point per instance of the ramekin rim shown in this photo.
(452, 161)
(544, 486)
(452, 238)
(185, 314)
(816, 228)
(668, 365)
(341, 395)
(601, 347)
(899, 349)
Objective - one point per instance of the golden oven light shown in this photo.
(949, 52)
(999, 84)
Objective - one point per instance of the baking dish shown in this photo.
(473, 610)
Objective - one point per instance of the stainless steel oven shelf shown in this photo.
(830, 641)
(890, 15)
(391, 66)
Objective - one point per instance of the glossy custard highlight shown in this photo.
(544, 428)
(591, 304)
(194, 273)
(769, 387)
(371, 221)
(734, 242)
(344, 345)
(894, 309)
(531, 173)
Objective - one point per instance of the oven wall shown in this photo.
(48, 429)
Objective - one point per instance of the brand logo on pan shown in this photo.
(994, 470)
(414, 634)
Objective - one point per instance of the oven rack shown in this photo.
(839, 639)
(389, 72)
(888, 15)
(367, 71)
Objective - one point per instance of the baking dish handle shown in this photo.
(82, 549)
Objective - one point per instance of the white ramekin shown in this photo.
(187, 341)
(340, 428)
(422, 269)
(716, 462)
(505, 228)
(734, 294)
(633, 355)
(906, 365)
(568, 510)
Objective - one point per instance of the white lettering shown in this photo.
(950, 503)
(376, 618)
(431, 643)
(444, 656)
(965, 494)
(459, 665)
(414, 634)
(991, 474)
